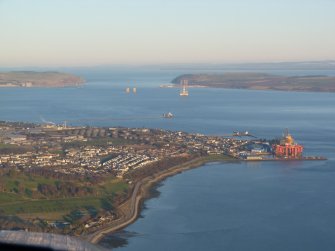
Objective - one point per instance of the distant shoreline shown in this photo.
(142, 191)
(176, 86)
(257, 81)
(38, 87)
(33, 79)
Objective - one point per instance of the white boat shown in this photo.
(168, 115)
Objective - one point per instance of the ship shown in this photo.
(168, 115)
(241, 134)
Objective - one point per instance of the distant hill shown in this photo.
(38, 79)
(260, 81)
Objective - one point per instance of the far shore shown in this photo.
(253, 88)
(131, 208)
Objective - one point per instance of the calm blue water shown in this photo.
(255, 206)
(268, 206)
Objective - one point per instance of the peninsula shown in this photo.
(38, 79)
(86, 181)
(89, 181)
(258, 81)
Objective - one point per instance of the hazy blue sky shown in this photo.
(91, 32)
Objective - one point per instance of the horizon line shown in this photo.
(325, 61)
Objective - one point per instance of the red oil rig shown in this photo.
(287, 148)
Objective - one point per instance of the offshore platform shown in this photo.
(128, 90)
(288, 148)
(184, 87)
(285, 149)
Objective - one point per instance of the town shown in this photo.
(87, 150)
(78, 180)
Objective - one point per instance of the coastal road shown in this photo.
(130, 209)
(129, 212)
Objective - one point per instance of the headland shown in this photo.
(29, 79)
(90, 181)
(257, 81)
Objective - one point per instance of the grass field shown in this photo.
(9, 197)
(47, 206)
(14, 203)
(16, 179)
(6, 146)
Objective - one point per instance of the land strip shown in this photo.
(89, 181)
(258, 81)
(77, 180)
(28, 79)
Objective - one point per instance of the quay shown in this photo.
(307, 158)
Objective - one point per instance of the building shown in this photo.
(15, 139)
(288, 148)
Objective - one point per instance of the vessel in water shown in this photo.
(184, 91)
(168, 115)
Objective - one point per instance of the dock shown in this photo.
(307, 158)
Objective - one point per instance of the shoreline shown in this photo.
(246, 88)
(131, 208)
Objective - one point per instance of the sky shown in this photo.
(99, 32)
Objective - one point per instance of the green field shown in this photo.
(47, 206)
(9, 197)
(14, 180)
(14, 202)
(6, 145)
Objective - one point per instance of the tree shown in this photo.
(28, 192)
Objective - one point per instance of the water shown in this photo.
(268, 206)
(249, 206)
